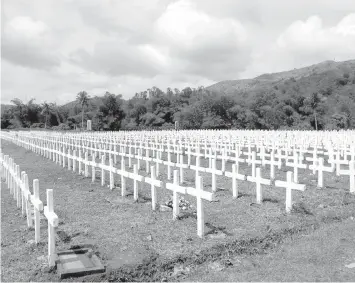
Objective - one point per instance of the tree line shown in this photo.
(313, 102)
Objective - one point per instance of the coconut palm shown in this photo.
(83, 99)
(47, 110)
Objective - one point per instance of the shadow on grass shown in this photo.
(301, 208)
(272, 200)
(216, 229)
(185, 215)
(157, 269)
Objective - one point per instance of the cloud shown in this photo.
(28, 43)
(206, 45)
(303, 43)
(54, 49)
(310, 38)
(117, 58)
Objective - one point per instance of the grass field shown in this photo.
(244, 241)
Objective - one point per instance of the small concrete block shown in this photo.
(78, 262)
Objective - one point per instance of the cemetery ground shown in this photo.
(244, 241)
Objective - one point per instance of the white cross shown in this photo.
(38, 206)
(86, 163)
(351, 174)
(80, 160)
(235, 176)
(102, 166)
(27, 198)
(153, 184)
(197, 168)
(169, 164)
(319, 166)
(338, 161)
(181, 167)
(52, 222)
(136, 178)
(18, 186)
(69, 159)
(200, 195)
(272, 162)
(214, 172)
(253, 163)
(147, 160)
(124, 174)
(176, 188)
(289, 185)
(74, 160)
(237, 157)
(93, 167)
(258, 180)
(297, 164)
(313, 159)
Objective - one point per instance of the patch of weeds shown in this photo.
(185, 215)
(63, 236)
(272, 200)
(216, 229)
(330, 216)
(240, 195)
(301, 208)
(347, 199)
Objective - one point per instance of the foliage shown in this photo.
(318, 97)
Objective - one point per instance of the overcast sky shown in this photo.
(52, 49)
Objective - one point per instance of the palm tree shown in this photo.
(46, 111)
(82, 99)
(314, 102)
(20, 111)
(56, 111)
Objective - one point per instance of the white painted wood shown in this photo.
(176, 188)
(258, 180)
(154, 183)
(289, 185)
(52, 219)
(200, 195)
(38, 206)
(235, 176)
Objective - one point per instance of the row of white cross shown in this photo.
(58, 154)
(19, 187)
(275, 159)
(177, 189)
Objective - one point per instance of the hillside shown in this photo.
(320, 96)
(326, 69)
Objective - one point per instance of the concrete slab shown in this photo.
(78, 262)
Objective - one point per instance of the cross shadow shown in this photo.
(216, 229)
(185, 215)
(272, 200)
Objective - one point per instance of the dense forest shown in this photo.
(319, 97)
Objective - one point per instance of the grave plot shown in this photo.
(117, 224)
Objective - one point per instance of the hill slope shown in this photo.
(326, 69)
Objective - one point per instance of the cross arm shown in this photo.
(51, 216)
(154, 182)
(37, 203)
(177, 188)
